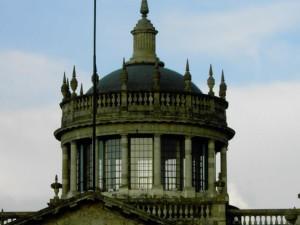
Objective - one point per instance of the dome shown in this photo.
(148, 133)
(140, 78)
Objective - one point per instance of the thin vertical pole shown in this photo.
(95, 35)
(95, 79)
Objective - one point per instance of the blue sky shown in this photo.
(265, 32)
(256, 42)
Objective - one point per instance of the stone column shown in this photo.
(157, 186)
(73, 174)
(188, 187)
(224, 166)
(124, 168)
(211, 167)
(97, 165)
(188, 162)
(65, 171)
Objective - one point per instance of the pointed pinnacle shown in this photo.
(74, 72)
(211, 71)
(187, 67)
(56, 179)
(223, 77)
(124, 64)
(81, 89)
(144, 8)
(64, 79)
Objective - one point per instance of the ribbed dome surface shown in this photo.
(140, 79)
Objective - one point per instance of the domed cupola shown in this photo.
(141, 67)
(156, 134)
(144, 45)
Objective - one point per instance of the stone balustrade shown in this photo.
(176, 210)
(263, 216)
(183, 106)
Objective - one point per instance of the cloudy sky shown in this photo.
(256, 43)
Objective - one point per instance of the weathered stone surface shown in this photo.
(90, 214)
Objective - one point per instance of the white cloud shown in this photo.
(235, 197)
(264, 154)
(29, 113)
(30, 157)
(29, 79)
(230, 33)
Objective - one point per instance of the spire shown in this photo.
(65, 88)
(68, 89)
(223, 87)
(156, 76)
(65, 79)
(187, 77)
(124, 76)
(74, 83)
(144, 8)
(81, 89)
(211, 81)
(187, 67)
(144, 44)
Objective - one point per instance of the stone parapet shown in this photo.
(170, 107)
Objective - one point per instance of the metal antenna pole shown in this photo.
(95, 79)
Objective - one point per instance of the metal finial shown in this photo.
(144, 8)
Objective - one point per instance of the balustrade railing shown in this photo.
(263, 216)
(176, 211)
(140, 99)
(182, 104)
